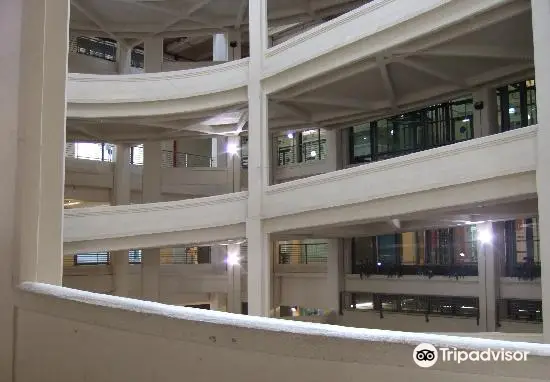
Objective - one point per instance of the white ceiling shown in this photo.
(444, 65)
(136, 19)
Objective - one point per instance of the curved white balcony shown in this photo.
(172, 93)
(194, 221)
(484, 170)
(142, 341)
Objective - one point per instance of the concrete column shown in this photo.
(153, 50)
(151, 193)
(215, 151)
(152, 172)
(540, 10)
(121, 273)
(234, 164)
(218, 302)
(334, 150)
(150, 274)
(218, 254)
(486, 119)
(36, 30)
(234, 302)
(259, 241)
(121, 196)
(490, 242)
(335, 274)
(124, 58)
(122, 176)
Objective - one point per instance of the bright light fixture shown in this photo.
(461, 254)
(466, 120)
(484, 236)
(313, 154)
(69, 203)
(232, 149)
(290, 135)
(233, 259)
(512, 110)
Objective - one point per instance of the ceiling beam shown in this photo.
(241, 14)
(328, 79)
(422, 67)
(349, 103)
(481, 51)
(388, 84)
(93, 17)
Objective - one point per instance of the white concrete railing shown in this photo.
(498, 157)
(95, 96)
(143, 341)
(192, 221)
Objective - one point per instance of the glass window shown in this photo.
(517, 105)
(419, 130)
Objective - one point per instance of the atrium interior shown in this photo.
(235, 181)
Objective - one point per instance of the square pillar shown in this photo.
(123, 58)
(32, 105)
(153, 50)
(489, 247)
(122, 176)
(486, 119)
(540, 11)
(150, 274)
(121, 273)
(334, 150)
(234, 268)
(152, 172)
(234, 164)
(218, 302)
(259, 241)
(335, 274)
(260, 270)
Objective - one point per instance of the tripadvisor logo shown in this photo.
(427, 355)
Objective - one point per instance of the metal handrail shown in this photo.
(315, 253)
(457, 270)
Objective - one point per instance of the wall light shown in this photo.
(484, 236)
(233, 259)
(232, 149)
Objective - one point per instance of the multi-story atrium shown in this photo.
(292, 170)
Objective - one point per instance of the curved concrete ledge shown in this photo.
(499, 156)
(366, 32)
(221, 215)
(143, 341)
(103, 96)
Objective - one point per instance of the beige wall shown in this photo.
(62, 340)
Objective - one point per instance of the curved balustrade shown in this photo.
(194, 221)
(96, 96)
(143, 341)
(495, 167)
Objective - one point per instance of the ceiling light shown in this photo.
(290, 135)
(461, 254)
(313, 154)
(233, 259)
(466, 120)
(512, 110)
